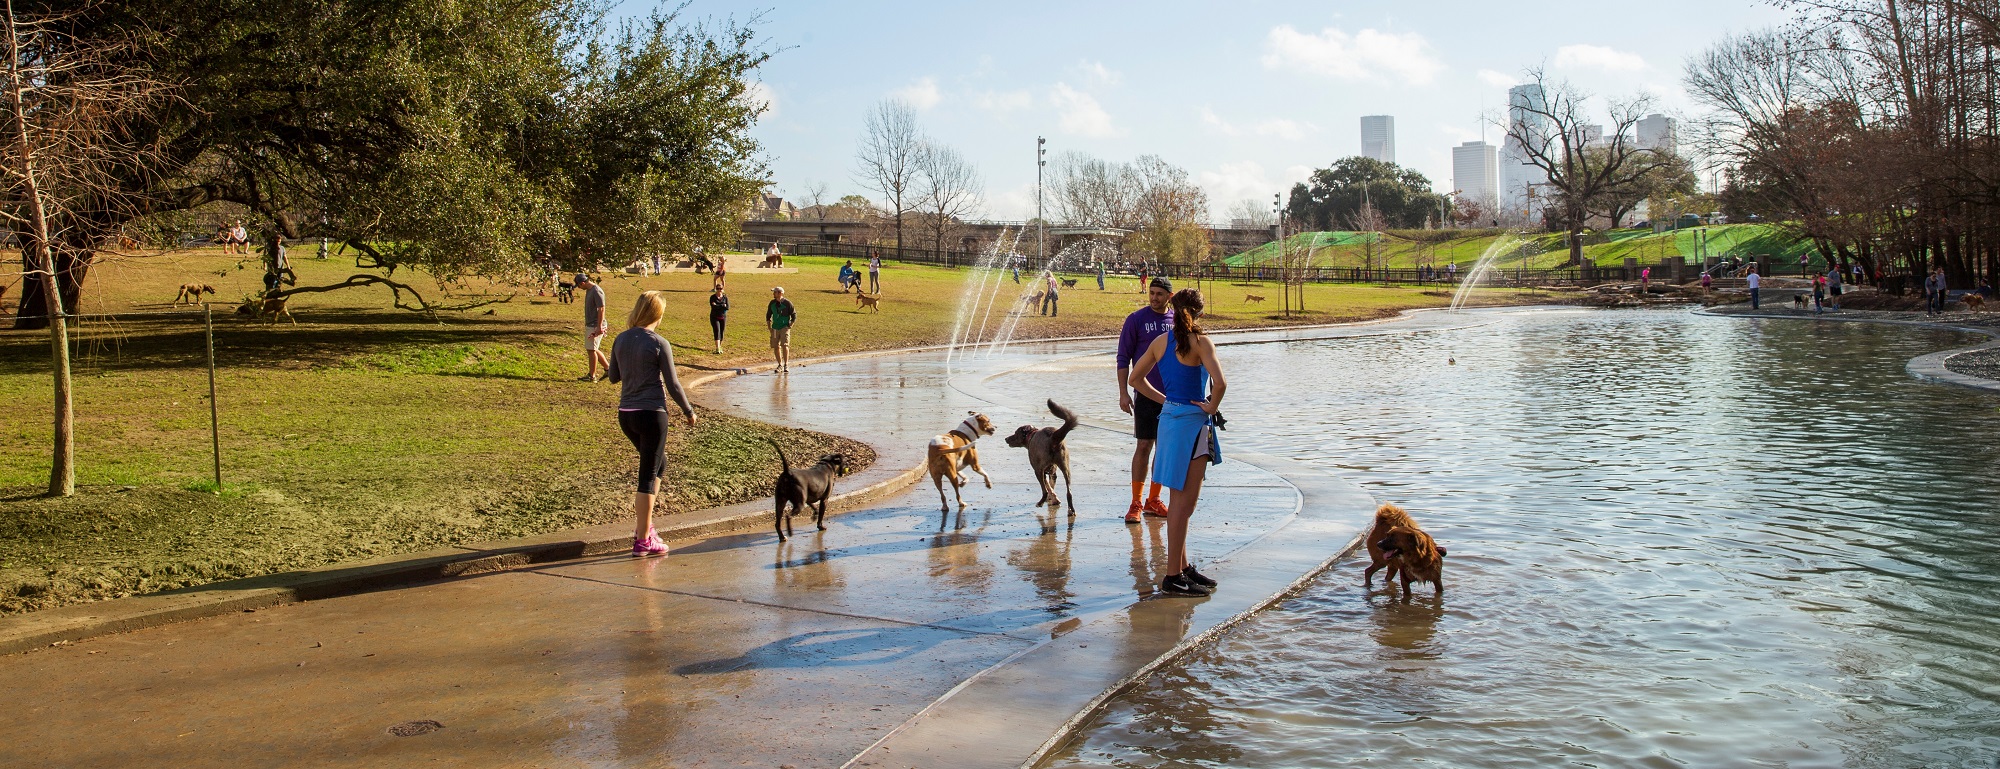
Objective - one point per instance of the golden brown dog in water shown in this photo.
(1397, 542)
(953, 451)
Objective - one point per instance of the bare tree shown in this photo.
(815, 199)
(1092, 192)
(1168, 213)
(887, 160)
(68, 142)
(948, 190)
(1582, 164)
(1368, 221)
(1251, 212)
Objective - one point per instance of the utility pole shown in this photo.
(1041, 225)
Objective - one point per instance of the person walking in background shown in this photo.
(874, 272)
(1645, 277)
(1804, 271)
(1833, 287)
(718, 315)
(1753, 281)
(1819, 294)
(642, 365)
(1707, 280)
(1100, 275)
(1185, 358)
(594, 326)
(1451, 272)
(1141, 328)
(241, 237)
(1049, 294)
(1936, 289)
(780, 315)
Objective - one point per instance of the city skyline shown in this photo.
(1270, 93)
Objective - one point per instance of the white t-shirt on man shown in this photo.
(1752, 278)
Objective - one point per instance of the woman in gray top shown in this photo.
(642, 365)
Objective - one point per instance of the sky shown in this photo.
(1248, 96)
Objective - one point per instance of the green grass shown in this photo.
(366, 431)
(1542, 250)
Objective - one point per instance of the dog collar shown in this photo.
(968, 428)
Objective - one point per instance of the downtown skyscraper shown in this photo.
(1378, 137)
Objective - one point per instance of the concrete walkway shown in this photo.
(899, 637)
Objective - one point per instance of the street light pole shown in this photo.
(1041, 225)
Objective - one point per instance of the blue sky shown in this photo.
(1248, 96)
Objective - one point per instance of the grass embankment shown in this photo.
(1539, 251)
(366, 431)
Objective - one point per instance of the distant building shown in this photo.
(771, 207)
(1592, 135)
(1656, 131)
(1518, 176)
(1378, 137)
(1475, 171)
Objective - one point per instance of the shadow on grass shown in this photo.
(329, 337)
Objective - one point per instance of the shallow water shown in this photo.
(1676, 540)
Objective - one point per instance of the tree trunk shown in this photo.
(62, 460)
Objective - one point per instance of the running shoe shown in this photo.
(1197, 577)
(1155, 508)
(586, 378)
(1176, 584)
(651, 545)
(1132, 513)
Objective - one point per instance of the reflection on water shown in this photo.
(1675, 541)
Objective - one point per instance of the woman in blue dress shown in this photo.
(1186, 443)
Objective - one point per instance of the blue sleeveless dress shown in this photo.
(1184, 428)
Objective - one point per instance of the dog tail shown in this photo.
(1067, 416)
(781, 454)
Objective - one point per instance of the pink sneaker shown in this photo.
(651, 545)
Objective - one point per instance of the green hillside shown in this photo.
(1540, 250)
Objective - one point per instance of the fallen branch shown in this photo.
(422, 305)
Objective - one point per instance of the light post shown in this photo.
(1041, 225)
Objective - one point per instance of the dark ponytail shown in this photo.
(1187, 304)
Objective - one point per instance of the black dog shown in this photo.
(565, 292)
(1047, 454)
(807, 487)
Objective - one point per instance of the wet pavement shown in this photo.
(901, 636)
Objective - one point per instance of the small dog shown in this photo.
(1034, 299)
(269, 309)
(565, 292)
(1068, 282)
(191, 293)
(951, 452)
(863, 300)
(770, 261)
(1799, 302)
(1973, 302)
(804, 488)
(1397, 542)
(1047, 454)
(1248, 298)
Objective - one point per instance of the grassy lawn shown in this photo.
(1544, 250)
(365, 431)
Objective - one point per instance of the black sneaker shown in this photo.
(1196, 577)
(1176, 584)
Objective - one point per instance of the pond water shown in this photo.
(1676, 540)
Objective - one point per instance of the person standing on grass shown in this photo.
(1100, 275)
(642, 365)
(1185, 360)
(1049, 294)
(594, 326)
(1451, 272)
(718, 315)
(780, 315)
(874, 272)
(1753, 281)
(1141, 328)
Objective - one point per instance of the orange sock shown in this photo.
(1136, 486)
(1155, 495)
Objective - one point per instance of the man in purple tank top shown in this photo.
(1141, 327)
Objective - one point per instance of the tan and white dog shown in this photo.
(953, 451)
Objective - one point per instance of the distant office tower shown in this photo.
(1593, 134)
(1475, 171)
(1656, 131)
(1517, 173)
(1378, 137)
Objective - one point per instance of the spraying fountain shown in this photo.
(1480, 268)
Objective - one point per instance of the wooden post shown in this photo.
(214, 428)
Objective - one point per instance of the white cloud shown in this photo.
(1003, 101)
(1080, 113)
(1366, 55)
(1459, 133)
(1597, 57)
(1278, 127)
(1100, 74)
(761, 94)
(1498, 79)
(921, 95)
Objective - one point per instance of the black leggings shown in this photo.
(716, 323)
(648, 431)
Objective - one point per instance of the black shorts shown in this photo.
(1145, 418)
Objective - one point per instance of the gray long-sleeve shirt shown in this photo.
(642, 365)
